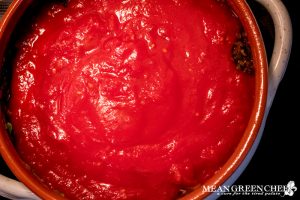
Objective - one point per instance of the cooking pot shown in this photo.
(267, 80)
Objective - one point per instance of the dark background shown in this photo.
(276, 161)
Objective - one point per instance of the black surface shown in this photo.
(276, 160)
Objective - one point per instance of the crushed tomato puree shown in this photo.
(128, 99)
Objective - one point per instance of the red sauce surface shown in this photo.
(129, 99)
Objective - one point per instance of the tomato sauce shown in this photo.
(129, 99)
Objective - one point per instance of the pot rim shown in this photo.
(242, 10)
